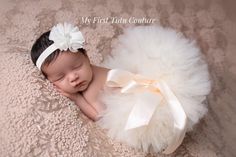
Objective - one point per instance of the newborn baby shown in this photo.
(69, 69)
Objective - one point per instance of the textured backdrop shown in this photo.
(35, 121)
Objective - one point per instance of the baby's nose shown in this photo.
(73, 77)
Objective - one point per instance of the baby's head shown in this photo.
(59, 54)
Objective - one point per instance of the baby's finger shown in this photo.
(69, 95)
(65, 94)
(61, 91)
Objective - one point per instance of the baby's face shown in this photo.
(70, 72)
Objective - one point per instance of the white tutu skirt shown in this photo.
(156, 53)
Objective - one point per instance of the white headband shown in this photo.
(65, 36)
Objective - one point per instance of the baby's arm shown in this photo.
(79, 100)
(86, 108)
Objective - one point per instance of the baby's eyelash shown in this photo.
(59, 78)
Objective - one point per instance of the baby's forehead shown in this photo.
(63, 61)
(67, 58)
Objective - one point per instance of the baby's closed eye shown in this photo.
(58, 78)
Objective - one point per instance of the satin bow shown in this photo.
(152, 92)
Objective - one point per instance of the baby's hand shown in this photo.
(71, 96)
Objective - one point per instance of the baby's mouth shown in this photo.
(79, 85)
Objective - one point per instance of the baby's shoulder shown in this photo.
(99, 71)
(99, 74)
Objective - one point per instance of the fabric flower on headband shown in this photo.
(66, 36)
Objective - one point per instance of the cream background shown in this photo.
(34, 122)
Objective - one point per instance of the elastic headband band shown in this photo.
(45, 54)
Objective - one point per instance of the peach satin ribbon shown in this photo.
(152, 92)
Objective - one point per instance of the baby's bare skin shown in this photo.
(91, 94)
(74, 77)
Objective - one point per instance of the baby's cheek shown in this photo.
(83, 74)
(90, 74)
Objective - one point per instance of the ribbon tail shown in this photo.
(179, 116)
(143, 110)
(176, 142)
